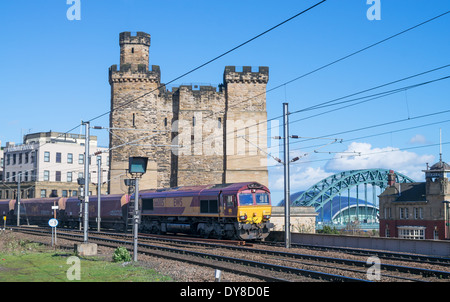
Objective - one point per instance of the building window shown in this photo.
(69, 158)
(13, 176)
(46, 175)
(69, 176)
(418, 213)
(26, 176)
(14, 158)
(411, 232)
(219, 123)
(387, 213)
(43, 193)
(58, 157)
(403, 213)
(8, 159)
(20, 158)
(64, 193)
(58, 176)
(46, 156)
(81, 159)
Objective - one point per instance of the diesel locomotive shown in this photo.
(232, 211)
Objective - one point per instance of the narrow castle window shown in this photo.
(132, 50)
(219, 123)
(165, 122)
(134, 120)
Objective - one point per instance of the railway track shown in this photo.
(444, 261)
(262, 263)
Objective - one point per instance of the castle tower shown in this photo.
(134, 50)
(246, 124)
(139, 114)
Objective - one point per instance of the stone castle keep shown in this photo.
(192, 134)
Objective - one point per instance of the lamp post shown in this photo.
(137, 167)
(86, 182)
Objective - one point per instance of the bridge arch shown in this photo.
(323, 192)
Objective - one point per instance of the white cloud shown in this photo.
(405, 162)
(418, 139)
(301, 178)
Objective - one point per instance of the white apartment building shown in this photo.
(48, 164)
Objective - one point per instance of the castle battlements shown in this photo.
(139, 38)
(246, 75)
(141, 74)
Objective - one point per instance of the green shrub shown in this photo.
(121, 254)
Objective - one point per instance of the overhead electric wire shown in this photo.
(206, 63)
(292, 80)
(214, 59)
(379, 134)
(371, 98)
(361, 50)
(371, 153)
(364, 99)
(350, 55)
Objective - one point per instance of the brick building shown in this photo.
(191, 134)
(417, 210)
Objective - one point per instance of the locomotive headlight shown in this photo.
(266, 217)
(243, 217)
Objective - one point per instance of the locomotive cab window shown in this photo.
(245, 199)
(262, 198)
(147, 204)
(209, 206)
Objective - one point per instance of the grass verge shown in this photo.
(24, 261)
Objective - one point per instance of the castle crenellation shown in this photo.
(192, 134)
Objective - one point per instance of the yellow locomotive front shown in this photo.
(253, 212)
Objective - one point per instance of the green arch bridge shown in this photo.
(344, 209)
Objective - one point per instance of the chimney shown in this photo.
(391, 178)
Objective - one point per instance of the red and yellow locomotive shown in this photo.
(237, 210)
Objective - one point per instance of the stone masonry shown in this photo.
(192, 134)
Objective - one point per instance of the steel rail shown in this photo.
(151, 249)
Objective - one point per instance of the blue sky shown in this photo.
(54, 72)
